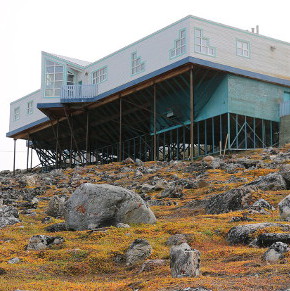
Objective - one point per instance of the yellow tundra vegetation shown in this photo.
(86, 259)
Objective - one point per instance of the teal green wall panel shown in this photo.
(211, 98)
(254, 98)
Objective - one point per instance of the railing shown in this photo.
(285, 108)
(69, 92)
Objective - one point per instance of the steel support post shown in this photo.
(31, 155)
(87, 138)
(56, 146)
(27, 156)
(191, 115)
(14, 157)
(120, 129)
(154, 117)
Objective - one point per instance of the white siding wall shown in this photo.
(264, 60)
(25, 118)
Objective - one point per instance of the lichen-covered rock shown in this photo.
(284, 208)
(150, 265)
(275, 253)
(8, 216)
(272, 181)
(241, 234)
(262, 203)
(184, 262)
(138, 251)
(42, 242)
(98, 205)
(267, 239)
(56, 206)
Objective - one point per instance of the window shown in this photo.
(29, 108)
(16, 113)
(100, 75)
(53, 79)
(201, 44)
(70, 78)
(179, 45)
(137, 65)
(243, 48)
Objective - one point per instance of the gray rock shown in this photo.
(57, 227)
(122, 225)
(184, 262)
(176, 239)
(8, 216)
(14, 261)
(138, 251)
(241, 234)
(262, 203)
(104, 205)
(128, 161)
(42, 242)
(272, 181)
(284, 208)
(275, 253)
(150, 265)
(172, 191)
(138, 163)
(267, 239)
(56, 206)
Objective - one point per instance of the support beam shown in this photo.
(27, 156)
(191, 115)
(87, 138)
(14, 156)
(120, 129)
(154, 118)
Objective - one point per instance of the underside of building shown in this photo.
(159, 120)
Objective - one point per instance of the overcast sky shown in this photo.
(91, 29)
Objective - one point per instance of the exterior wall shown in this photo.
(254, 98)
(211, 98)
(25, 118)
(153, 50)
(267, 56)
(284, 136)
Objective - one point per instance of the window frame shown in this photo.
(242, 41)
(16, 116)
(56, 77)
(204, 44)
(29, 109)
(100, 78)
(136, 63)
(178, 45)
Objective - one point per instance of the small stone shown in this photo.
(275, 253)
(128, 161)
(139, 250)
(14, 261)
(284, 208)
(176, 239)
(151, 265)
(122, 225)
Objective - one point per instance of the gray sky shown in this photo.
(91, 29)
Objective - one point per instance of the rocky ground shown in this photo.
(223, 211)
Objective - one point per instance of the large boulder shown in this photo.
(138, 251)
(272, 181)
(284, 208)
(242, 234)
(98, 205)
(184, 262)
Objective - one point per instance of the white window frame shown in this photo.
(179, 45)
(100, 75)
(16, 113)
(29, 108)
(201, 44)
(243, 48)
(54, 78)
(137, 66)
